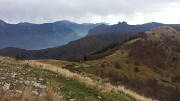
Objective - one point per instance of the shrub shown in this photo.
(114, 77)
(18, 58)
(151, 82)
(117, 65)
(102, 65)
(163, 94)
(137, 63)
(125, 79)
(127, 61)
(85, 58)
(175, 79)
(136, 69)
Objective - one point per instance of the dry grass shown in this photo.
(50, 95)
(27, 95)
(100, 86)
(21, 92)
(156, 33)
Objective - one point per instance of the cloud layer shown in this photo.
(110, 11)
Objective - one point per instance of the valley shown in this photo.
(121, 66)
(32, 36)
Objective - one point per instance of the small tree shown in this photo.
(175, 78)
(85, 58)
(117, 65)
(136, 70)
(102, 65)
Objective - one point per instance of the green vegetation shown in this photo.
(67, 88)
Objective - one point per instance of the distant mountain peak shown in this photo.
(123, 23)
(25, 23)
(65, 22)
(95, 23)
(153, 23)
(87, 23)
(2, 22)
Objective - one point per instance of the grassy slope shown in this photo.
(68, 87)
(157, 34)
(90, 67)
(127, 68)
(146, 73)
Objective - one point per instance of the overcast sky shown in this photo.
(94, 11)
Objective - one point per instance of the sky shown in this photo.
(91, 11)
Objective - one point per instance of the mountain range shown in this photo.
(97, 38)
(125, 27)
(38, 36)
(80, 29)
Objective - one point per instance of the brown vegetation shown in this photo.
(27, 95)
(152, 54)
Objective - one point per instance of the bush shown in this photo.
(136, 69)
(125, 79)
(151, 83)
(114, 77)
(137, 63)
(103, 65)
(175, 79)
(85, 58)
(163, 94)
(18, 58)
(117, 65)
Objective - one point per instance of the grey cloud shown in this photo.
(50, 10)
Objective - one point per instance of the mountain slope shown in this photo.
(76, 50)
(81, 29)
(147, 63)
(124, 27)
(34, 36)
(73, 51)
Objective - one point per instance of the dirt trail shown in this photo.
(103, 87)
